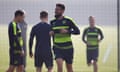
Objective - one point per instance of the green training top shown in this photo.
(63, 41)
(91, 37)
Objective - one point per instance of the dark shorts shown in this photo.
(16, 59)
(44, 58)
(92, 55)
(65, 54)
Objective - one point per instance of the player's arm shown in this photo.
(51, 33)
(84, 36)
(101, 35)
(32, 34)
(15, 36)
(74, 28)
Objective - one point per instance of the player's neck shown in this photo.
(44, 21)
(92, 26)
(15, 20)
(61, 17)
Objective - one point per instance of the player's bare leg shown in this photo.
(50, 69)
(69, 67)
(11, 68)
(38, 69)
(59, 64)
(95, 66)
(20, 68)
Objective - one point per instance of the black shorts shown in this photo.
(65, 54)
(15, 59)
(46, 58)
(92, 55)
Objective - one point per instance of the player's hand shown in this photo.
(22, 53)
(31, 54)
(51, 33)
(63, 31)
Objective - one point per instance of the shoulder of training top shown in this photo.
(53, 19)
(98, 28)
(66, 17)
(86, 28)
(69, 18)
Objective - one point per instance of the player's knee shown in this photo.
(50, 69)
(38, 69)
(20, 68)
(94, 62)
(59, 63)
(69, 68)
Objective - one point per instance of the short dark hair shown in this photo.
(43, 14)
(62, 6)
(19, 13)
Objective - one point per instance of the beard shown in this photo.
(57, 16)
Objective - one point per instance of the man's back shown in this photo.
(43, 53)
(41, 32)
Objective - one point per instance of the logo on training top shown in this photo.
(53, 23)
(64, 21)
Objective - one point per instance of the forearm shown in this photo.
(18, 43)
(30, 44)
(101, 35)
(83, 39)
(75, 31)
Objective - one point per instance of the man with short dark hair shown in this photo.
(16, 51)
(62, 28)
(43, 52)
(91, 37)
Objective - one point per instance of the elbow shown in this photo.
(77, 32)
(102, 37)
(83, 40)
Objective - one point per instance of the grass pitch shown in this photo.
(110, 34)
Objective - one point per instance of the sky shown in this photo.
(104, 11)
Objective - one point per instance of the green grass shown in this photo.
(79, 64)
